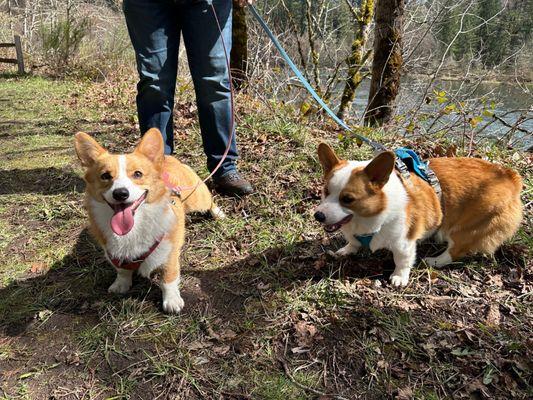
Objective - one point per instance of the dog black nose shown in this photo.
(320, 217)
(121, 194)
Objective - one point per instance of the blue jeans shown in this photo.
(154, 27)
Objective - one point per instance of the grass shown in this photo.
(269, 315)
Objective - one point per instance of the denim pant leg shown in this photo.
(154, 30)
(209, 71)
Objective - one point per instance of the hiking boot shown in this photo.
(232, 184)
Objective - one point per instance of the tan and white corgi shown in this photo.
(480, 207)
(131, 212)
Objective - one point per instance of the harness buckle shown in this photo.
(402, 168)
(434, 181)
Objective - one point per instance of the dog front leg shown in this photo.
(172, 301)
(122, 282)
(404, 259)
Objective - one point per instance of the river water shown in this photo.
(507, 97)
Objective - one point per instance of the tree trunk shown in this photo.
(239, 50)
(311, 35)
(387, 63)
(358, 56)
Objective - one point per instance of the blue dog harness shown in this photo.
(408, 161)
(365, 239)
(412, 163)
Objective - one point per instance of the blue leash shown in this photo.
(403, 156)
(301, 78)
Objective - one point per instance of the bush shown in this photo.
(61, 41)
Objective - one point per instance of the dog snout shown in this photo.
(121, 194)
(320, 216)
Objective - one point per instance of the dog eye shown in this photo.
(347, 199)
(137, 174)
(106, 176)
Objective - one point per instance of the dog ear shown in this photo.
(327, 157)
(151, 146)
(380, 168)
(87, 149)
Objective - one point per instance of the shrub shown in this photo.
(61, 41)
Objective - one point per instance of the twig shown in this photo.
(527, 294)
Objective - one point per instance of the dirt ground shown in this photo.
(268, 313)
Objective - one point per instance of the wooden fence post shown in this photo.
(20, 57)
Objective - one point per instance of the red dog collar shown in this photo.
(135, 264)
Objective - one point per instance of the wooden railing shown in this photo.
(18, 49)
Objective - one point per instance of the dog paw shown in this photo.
(120, 286)
(346, 251)
(400, 279)
(439, 261)
(173, 303)
(217, 213)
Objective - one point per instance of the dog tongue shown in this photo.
(122, 221)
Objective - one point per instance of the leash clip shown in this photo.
(175, 191)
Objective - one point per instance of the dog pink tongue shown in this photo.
(122, 221)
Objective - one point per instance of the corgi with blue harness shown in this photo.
(471, 204)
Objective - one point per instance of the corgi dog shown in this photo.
(133, 215)
(479, 208)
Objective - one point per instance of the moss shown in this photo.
(355, 59)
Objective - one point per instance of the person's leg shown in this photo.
(209, 71)
(154, 31)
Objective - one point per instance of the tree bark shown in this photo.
(387, 63)
(239, 50)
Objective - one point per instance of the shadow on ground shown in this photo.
(40, 180)
(73, 284)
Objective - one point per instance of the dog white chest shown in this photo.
(152, 223)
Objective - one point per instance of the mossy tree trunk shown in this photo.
(312, 35)
(239, 50)
(387, 62)
(358, 56)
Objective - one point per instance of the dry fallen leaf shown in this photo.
(227, 334)
(221, 350)
(38, 267)
(405, 393)
(319, 264)
(364, 282)
(406, 305)
(73, 359)
(197, 345)
(262, 138)
(306, 333)
(493, 315)
(495, 280)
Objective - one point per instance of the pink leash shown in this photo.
(165, 176)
